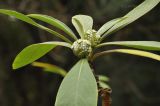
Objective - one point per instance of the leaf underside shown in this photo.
(50, 68)
(26, 19)
(143, 45)
(54, 22)
(82, 23)
(103, 30)
(134, 14)
(129, 51)
(79, 87)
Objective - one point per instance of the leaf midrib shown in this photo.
(78, 79)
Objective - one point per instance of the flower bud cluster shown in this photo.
(91, 35)
(82, 48)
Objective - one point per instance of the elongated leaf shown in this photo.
(26, 19)
(78, 27)
(82, 23)
(133, 15)
(102, 81)
(103, 78)
(50, 68)
(34, 52)
(79, 87)
(144, 45)
(130, 51)
(54, 22)
(108, 25)
(104, 85)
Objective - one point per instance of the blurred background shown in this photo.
(135, 81)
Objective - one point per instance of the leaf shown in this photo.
(104, 85)
(26, 19)
(78, 27)
(130, 51)
(50, 68)
(102, 81)
(79, 87)
(134, 14)
(54, 22)
(82, 23)
(144, 45)
(108, 25)
(103, 78)
(34, 52)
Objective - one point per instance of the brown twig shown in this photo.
(106, 98)
(103, 92)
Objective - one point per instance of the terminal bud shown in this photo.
(91, 35)
(82, 48)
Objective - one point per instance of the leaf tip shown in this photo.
(14, 67)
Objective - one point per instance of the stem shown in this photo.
(101, 53)
(96, 76)
(103, 92)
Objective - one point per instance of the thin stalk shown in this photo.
(105, 95)
(96, 76)
(103, 92)
(100, 54)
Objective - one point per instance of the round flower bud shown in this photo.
(82, 48)
(91, 35)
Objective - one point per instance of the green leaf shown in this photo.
(26, 19)
(102, 81)
(104, 85)
(108, 25)
(144, 45)
(50, 68)
(103, 78)
(79, 87)
(82, 23)
(129, 51)
(34, 52)
(134, 14)
(54, 22)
